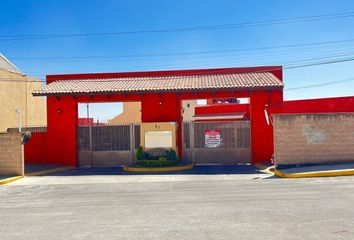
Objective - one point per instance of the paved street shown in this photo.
(184, 206)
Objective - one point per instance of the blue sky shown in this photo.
(27, 17)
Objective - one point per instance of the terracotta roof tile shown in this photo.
(235, 81)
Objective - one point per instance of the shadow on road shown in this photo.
(202, 170)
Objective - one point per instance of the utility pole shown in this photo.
(87, 113)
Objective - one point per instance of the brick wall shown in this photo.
(11, 157)
(313, 138)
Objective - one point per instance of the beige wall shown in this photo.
(313, 138)
(188, 107)
(132, 112)
(15, 93)
(11, 154)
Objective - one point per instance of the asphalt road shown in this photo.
(217, 206)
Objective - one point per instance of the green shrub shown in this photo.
(171, 155)
(144, 159)
(139, 153)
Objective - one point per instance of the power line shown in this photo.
(343, 57)
(237, 59)
(322, 63)
(321, 84)
(184, 29)
(188, 53)
(285, 67)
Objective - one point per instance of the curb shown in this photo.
(10, 179)
(264, 168)
(334, 173)
(48, 171)
(278, 173)
(157, 169)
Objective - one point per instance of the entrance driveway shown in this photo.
(177, 206)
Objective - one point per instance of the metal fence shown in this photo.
(218, 142)
(107, 145)
(137, 135)
(111, 138)
(203, 142)
(107, 137)
(186, 132)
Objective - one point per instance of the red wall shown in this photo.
(338, 104)
(35, 151)
(62, 122)
(222, 108)
(159, 107)
(262, 133)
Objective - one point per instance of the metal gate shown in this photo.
(217, 142)
(203, 143)
(107, 145)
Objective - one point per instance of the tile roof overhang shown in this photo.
(124, 85)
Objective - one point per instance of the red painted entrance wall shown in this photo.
(163, 108)
(262, 132)
(62, 113)
(62, 123)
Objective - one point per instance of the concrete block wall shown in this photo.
(313, 138)
(11, 155)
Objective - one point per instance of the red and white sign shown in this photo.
(212, 138)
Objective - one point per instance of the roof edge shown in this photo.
(17, 70)
(276, 70)
(39, 93)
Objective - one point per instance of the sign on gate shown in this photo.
(217, 142)
(212, 138)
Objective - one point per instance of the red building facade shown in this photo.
(262, 85)
(59, 144)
